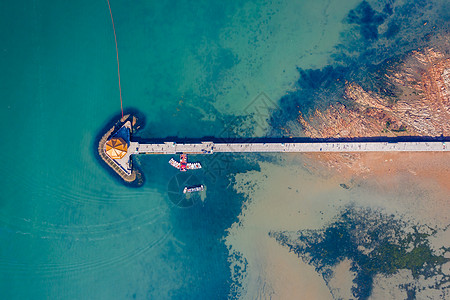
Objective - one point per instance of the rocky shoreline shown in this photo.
(422, 108)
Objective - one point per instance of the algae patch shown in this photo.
(375, 243)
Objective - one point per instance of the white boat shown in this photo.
(195, 188)
(183, 165)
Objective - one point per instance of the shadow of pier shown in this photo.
(378, 139)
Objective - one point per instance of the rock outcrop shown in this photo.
(422, 108)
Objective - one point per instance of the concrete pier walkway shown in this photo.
(210, 147)
(122, 165)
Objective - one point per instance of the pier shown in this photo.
(116, 147)
(211, 147)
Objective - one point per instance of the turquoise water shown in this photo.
(68, 229)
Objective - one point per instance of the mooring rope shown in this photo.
(117, 55)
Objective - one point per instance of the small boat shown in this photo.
(183, 165)
(193, 166)
(195, 188)
(183, 162)
(174, 163)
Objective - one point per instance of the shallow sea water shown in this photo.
(70, 230)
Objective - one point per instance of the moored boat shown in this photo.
(183, 165)
(195, 188)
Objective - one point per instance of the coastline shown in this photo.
(305, 193)
(422, 107)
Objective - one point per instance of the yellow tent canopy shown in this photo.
(116, 148)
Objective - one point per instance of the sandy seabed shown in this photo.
(298, 192)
